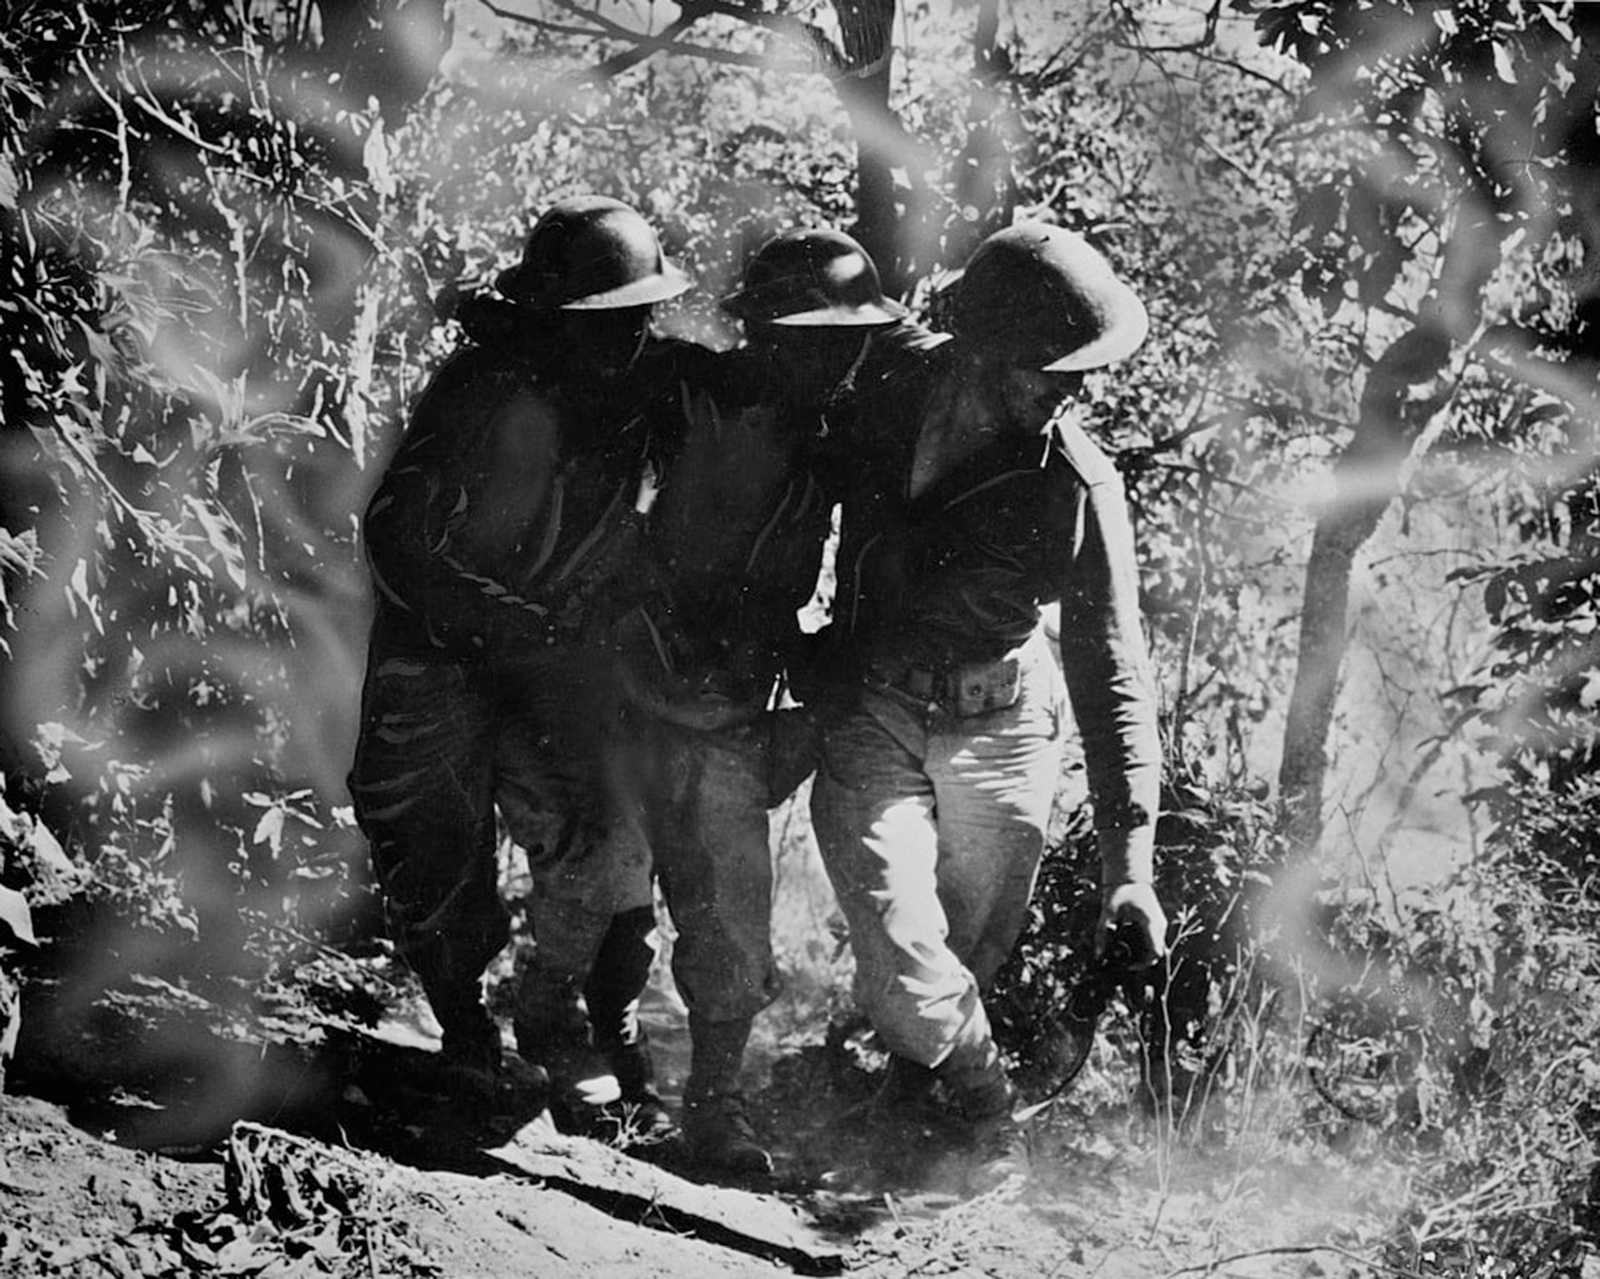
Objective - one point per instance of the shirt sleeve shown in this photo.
(440, 534)
(1103, 652)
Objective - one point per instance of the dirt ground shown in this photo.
(301, 1129)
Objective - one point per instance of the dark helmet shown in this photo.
(812, 278)
(591, 253)
(1047, 291)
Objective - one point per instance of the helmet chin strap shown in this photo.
(846, 385)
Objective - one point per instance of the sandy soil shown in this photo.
(155, 1130)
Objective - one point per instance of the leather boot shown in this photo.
(643, 1116)
(581, 1082)
(551, 1022)
(907, 1086)
(716, 1128)
(469, 1053)
(621, 971)
(976, 1082)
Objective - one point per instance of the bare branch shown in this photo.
(1245, 70)
(124, 164)
(644, 45)
(810, 37)
(1204, 41)
(630, 58)
(1295, 1250)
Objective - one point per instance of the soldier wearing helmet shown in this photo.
(497, 539)
(736, 540)
(974, 497)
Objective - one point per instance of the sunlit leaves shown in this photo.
(179, 248)
(20, 559)
(16, 920)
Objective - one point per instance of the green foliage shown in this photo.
(1537, 698)
(1464, 1029)
(233, 249)
(187, 406)
(1214, 847)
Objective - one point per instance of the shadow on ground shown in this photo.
(307, 1096)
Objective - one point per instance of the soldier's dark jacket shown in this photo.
(499, 520)
(736, 536)
(957, 574)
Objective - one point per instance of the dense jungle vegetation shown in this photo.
(1360, 446)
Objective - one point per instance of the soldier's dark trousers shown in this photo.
(442, 744)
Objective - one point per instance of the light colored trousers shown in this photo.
(696, 802)
(931, 828)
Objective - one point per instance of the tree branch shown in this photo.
(1294, 1250)
(1249, 71)
(803, 33)
(1205, 41)
(644, 45)
(630, 58)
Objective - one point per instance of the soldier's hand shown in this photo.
(1133, 911)
(649, 489)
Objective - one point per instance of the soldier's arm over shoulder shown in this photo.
(428, 492)
(889, 386)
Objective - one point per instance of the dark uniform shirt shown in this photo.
(737, 535)
(957, 574)
(508, 503)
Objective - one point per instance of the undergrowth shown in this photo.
(1427, 1063)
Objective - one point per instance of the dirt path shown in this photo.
(274, 1141)
(71, 1204)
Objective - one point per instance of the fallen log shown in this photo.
(761, 1225)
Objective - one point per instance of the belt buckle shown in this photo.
(975, 688)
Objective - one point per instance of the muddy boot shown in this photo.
(644, 1116)
(907, 1087)
(997, 1144)
(622, 968)
(552, 1031)
(469, 1052)
(471, 1043)
(470, 1060)
(717, 1135)
(582, 1086)
(551, 1021)
(716, 1130)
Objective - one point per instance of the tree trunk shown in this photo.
(983, 182)
(877, 130)
(1402, 394)
(385, 49)
(888, 216)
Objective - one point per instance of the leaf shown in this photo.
(1589, 695)
(1318, 211)
(1557, 23)
(16, 918)
(375, 157)
(47, 848)
(1502, 63)
(261, 427)
(1380, 272)
(9, 186)
(221, 536)
(269, 830)
(19, 555)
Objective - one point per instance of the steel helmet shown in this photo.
(812, 278)
(1043, 288)
(591, 253)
